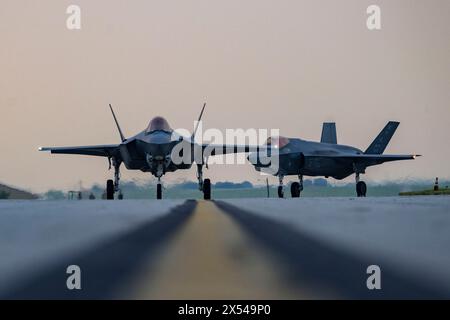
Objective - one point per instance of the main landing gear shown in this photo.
(297, 187)
(203, 185)
(109, 190)
(361, 187)
(280, 187)
(112, 186)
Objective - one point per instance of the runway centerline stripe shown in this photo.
(107, 266)
(323, 267)
(211, 258)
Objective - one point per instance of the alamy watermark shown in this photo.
(374, 280)
(73, 21)
(259, 146)
(73, 281)
(374, 19)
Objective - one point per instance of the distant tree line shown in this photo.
(4, 194)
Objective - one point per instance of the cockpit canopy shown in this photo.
(277, 142)
(158, 124)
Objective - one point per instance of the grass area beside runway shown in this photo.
(431, 192)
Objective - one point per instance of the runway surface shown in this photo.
(305, 248)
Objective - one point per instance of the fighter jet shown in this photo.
(325, 158)
(152, 150)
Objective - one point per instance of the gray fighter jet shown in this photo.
(152, 150)
(325, 158)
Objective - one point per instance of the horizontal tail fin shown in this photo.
(381, 141)
(329, 133)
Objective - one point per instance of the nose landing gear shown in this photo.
(203, 185)
(207, 189)
(159, 189)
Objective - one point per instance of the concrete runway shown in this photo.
(305, 248)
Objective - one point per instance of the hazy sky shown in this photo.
(259, 64)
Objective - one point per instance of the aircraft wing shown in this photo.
(368, 159)
(99, 150)
(371, 159)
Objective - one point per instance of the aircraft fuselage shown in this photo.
(301, 157)
(151, 152)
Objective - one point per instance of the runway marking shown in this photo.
(212, 258)
(214, 250)
(322, 268)
(106, 266)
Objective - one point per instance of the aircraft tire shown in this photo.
(295, 189)
(280, 192)
(207, 189)
(361, 189)
(109, 190)
(120, 196)
(159, 191)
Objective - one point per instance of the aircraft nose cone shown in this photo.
(253, 158)
(259, 160)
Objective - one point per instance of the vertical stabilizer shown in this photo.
(122, 137)
(381, 141)
(329, 133)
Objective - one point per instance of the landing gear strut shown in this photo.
(361, 187)
(200, 176)
(280, 187)
(203, 185)
(297, 187)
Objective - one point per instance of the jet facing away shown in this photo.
(151, 151)
(326, 158)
